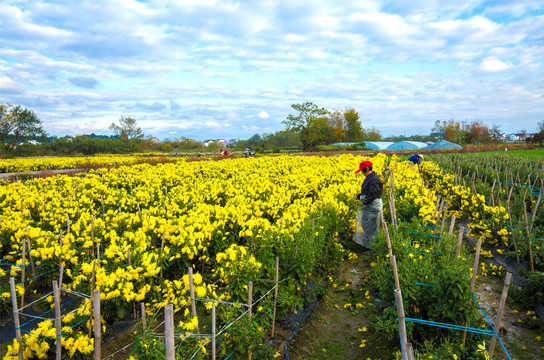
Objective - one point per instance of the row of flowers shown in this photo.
(141, 227)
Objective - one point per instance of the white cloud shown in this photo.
(8, 85)
(493, 65)
(263, 115)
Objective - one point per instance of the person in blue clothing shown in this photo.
(371, 199)
(416, 159)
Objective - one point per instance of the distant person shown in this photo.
(416, 159)
(371, 198)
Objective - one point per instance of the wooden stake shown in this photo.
(459, 241)
(16, 316)
(61, 273)
(23, 274)
(58, 323)
(536, 208)
(134, 302)
(502, 304)
(395, 272)
(512, 230)
(102, 201)
(476, 264)
(169, 331)
(275, 294)
(192, 294)
(142, 309)
(452, 225)
(528, 240)
(250, 305)
(97, 326)
(492, 194)
(162, 249)
(443, 221)
(213, 332)
(30, 254)
(92, 288)
(67, 224)
(387, 238)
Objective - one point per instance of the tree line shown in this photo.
(309, 127)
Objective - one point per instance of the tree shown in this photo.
(354, 129)
(18, 125)
(127, 129)
(309, 123)
(337, 124)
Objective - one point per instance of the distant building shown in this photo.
(153, 141)
(512, 138)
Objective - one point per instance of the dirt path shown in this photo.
(340, 328)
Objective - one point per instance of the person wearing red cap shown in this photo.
(371, 198)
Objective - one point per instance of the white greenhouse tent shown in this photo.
(407, 145)
(443, 144)
(377, 145)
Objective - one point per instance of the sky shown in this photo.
(208, 69)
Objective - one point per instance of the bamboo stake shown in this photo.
(452, 225)
(443, 220)
(492, 194)
(23, 274)
(162, 249)
(474, 274)
(16, 316)
(60, 244)
(528, 240)
(92, 288)
(58, 323)
(61, 273)
(476, 264)
(536, 208)
(395, 272)
(169, 331)
(133, 302)
(102, 201)
(512, 231)
(97, 326)
(30, 254)
(192, 294)
(459, 241)
(275, 294)
(402, 323)
(213, 332)
(142, 309)
(250, 305)
(387, 238)
(502, 304)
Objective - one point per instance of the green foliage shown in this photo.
(18, 125)
(532, 291)
(435, 286)
(127, 129)
(310, 122)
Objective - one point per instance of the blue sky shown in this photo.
(227, 69)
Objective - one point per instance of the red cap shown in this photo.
(363, 165)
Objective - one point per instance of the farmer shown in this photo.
(371, 198)
(416, 159)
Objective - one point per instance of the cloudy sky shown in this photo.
(215, 68)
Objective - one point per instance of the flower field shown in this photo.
(138, 229)
(61, 163)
